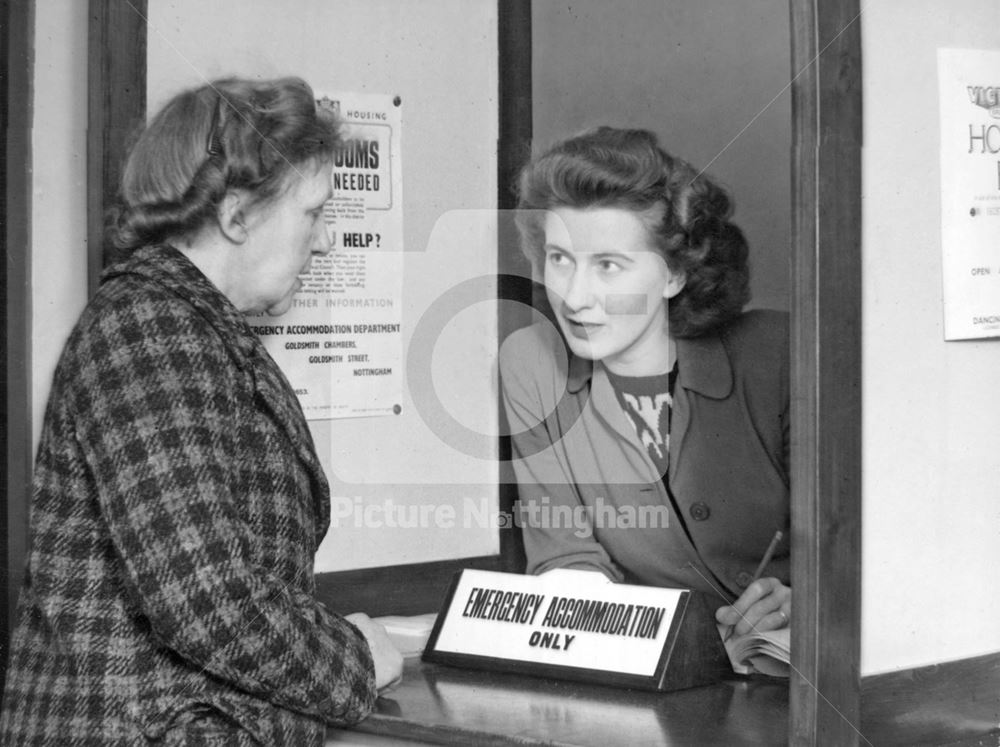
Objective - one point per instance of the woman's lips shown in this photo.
(582, 330)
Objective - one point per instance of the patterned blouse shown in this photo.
(647, 400)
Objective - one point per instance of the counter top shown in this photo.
(439, 704)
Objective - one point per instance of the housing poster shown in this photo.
(969, 89)
(340, 345)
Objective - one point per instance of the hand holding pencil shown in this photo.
(764, 605)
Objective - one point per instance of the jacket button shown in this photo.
(743, 579)
(699, 511)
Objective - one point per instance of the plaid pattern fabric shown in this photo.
(177, 505)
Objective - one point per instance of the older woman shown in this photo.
(650, 424)
(178, 500)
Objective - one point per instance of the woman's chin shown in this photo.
(279, 308)
(581, 347)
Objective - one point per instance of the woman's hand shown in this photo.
(766, 604)
(388, 661)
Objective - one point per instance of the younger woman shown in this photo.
(656, 409)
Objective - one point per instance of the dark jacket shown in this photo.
(576, 450)
(177, 505)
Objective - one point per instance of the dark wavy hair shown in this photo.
(687, 215)
(232, 133)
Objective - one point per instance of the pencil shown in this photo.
(761, 567)
(768, 554)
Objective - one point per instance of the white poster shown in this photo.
(969, 87)
(341, 344)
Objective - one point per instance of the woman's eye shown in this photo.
(557, 258)
(608, 265)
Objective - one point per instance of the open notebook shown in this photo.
(764, 653)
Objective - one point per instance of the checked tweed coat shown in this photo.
(177, 505)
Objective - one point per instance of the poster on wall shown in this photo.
(969, 90)
(340, 345)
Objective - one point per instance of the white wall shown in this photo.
(59, 183)
(931, 423)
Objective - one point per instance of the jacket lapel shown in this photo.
(276, 396)
(702, 368)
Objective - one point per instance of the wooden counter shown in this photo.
(437, 704)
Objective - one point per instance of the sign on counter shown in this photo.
(579, 625)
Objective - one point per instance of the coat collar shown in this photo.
(170, 269)
(703, 367)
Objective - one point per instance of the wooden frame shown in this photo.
(116, 108)
(825, 347)
(826, 371)
(16, 22)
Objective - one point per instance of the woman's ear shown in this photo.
(674, 285)
(231, 216)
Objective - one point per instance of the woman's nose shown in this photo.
(321, 242)
(579, 294)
